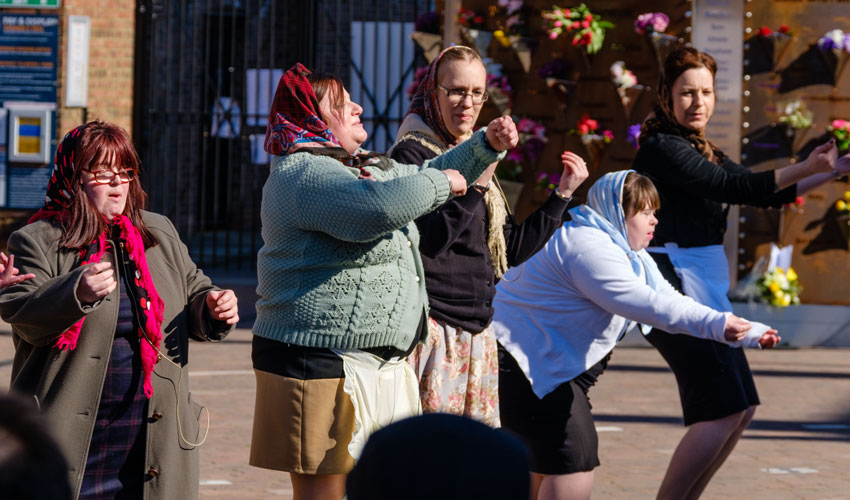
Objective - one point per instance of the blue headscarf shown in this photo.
(604, 211)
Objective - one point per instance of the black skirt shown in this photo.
(714, 379)
(557, 429)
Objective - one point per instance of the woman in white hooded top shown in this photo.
(559, 316)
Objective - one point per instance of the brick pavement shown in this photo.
(797, 448)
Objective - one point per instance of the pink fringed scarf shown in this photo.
(150, 307)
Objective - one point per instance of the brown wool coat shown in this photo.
(68, 384)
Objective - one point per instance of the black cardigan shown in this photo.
(693, 189)
(458, 273)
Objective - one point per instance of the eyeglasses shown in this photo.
(107, 176)
(456, 96)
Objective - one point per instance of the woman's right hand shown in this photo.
(736, 328)
(823, 158)
(9, 273)
(457, 181)
(98, 281)
(502, 134)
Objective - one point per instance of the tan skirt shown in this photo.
(303, 420)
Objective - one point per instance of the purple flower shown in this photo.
(633, 135)
(833, 39)
(428, 22)
(651, 22)
(556, 68)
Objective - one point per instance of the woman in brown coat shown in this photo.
(101, 330)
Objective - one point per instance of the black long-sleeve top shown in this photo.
(459, 274)
(693, 189)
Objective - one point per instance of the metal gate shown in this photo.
(206, 71)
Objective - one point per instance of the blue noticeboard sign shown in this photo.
(28, 57)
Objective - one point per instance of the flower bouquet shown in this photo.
(627, 86)
(840, 131)
(652, 26)
(426, 34)
(780, 288)
(766, 49)
(836, 42)
(514, 33)
(473, 30)
(798, 120)
(593, 139)
(587, 28)
(557, 74)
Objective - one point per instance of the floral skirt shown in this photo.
(458, 372)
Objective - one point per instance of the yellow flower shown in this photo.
(779, 270)
(791, 274)
(841, 205)
(786, 300)
(774, 287)
(847, 195)
(778, 293)
(501, 38)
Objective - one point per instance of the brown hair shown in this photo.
(330, 85)
(458, 53)
(664, 119)
(638, 193)
(102, 142)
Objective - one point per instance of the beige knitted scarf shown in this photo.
(414, 128)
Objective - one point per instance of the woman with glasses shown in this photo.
(468, 243)
(102, 325)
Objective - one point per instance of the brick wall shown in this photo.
(111, 51)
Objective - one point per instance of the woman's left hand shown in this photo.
(769, 339)
(575, 172)
(823, 158)
(222, 305)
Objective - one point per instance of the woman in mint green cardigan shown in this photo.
(341, 286)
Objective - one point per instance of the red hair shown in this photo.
(102, 142)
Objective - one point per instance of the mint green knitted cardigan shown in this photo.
(340, 265)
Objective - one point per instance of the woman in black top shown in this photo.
(468, 243)
(695, 180)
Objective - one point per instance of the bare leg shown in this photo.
(576, 486)
(536, 480)
(703, 480)
(317, 486)
(699, 454)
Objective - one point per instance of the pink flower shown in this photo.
(585, 24)
(567, 13)
(515, 155)
(608, 135)
(576, 25)
(553, 35)
(526, 125)
(837, 124)
(558, 23)
(583, 129)
(799, 201)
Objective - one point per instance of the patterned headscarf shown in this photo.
(294, 121)
(149, 310)
(424, 102)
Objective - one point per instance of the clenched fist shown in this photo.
(502, 134)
